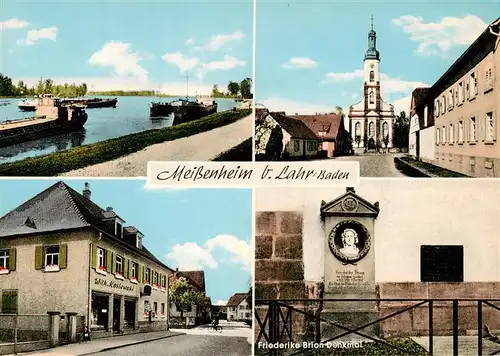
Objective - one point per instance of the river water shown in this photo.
(130, 115)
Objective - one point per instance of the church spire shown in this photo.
(371, 52)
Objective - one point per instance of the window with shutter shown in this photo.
(9, 302)
(5, 261)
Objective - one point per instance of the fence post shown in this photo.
(272, 327)
(431, 328)
(71, 326)
(15, 332)
(54, 318)
(479, 327)
(455, 328)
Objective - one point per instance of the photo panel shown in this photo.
(406, 266)
(129, 269)
(404, 89)
(100, 89)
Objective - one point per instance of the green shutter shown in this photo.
(109, 260)
(12, 259)
(140, 276)
(63, 255)
(129, 269)
(113, 263)
(39, 257)
(151, 276)
(94, 255)
(125, 267)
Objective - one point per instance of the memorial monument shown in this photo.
(349, 226)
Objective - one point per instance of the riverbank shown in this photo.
(93, 154)
(204, 146)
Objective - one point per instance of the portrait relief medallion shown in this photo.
(349, 204)
(349, 241)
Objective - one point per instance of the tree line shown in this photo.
(241, 90)
(43, 86)
(129, 93)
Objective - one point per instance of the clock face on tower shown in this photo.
(372, 65)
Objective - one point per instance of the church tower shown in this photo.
(371, 120)
(372, 72)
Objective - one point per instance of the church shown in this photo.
(371, 121)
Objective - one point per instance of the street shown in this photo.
(375, 165)
(187, 345)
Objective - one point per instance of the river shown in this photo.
(130, 115)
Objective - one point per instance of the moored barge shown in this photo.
(94, 103)
(193, 110)
(51, 118)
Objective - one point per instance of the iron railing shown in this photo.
(276, 325)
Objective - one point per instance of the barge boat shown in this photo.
(188, 110)
(94, 103)
(51, 118)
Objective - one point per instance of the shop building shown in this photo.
(61, 252)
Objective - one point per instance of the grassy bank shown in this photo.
(413, 168)
(83, 156)
(241, 153)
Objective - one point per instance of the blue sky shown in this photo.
(417, 41)
(185, 228)
(129, 45)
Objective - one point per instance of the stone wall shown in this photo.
(279, 266)
(416, 321)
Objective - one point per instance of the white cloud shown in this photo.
(190, 255)
(13, 24)
(218, 41)
(177, 58)
(300, 63)
(48, 33)
(436, 38)
(292, 107)
(343, 77)
(220, 302)
(229, 62)
(402, 104)
(390, 86)
(189, 42)
(118, 55)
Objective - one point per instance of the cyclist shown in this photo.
(215, 322)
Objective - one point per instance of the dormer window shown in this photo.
(139, 241)
(119, 227)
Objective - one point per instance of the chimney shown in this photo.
(86, 192)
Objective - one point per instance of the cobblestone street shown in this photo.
(375, 165)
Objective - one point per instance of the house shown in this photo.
(330, 131)
(463, 105)
(299, 142)
(238, 308)
(194, 315)
(421, 140)
(61, 252)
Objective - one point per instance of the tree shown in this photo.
(233, 88)
(215, 91)
(386, 141)
(339, 110)
(184, 297)
(274, 145)
(246, 88)
(400, 138)
(358, 140)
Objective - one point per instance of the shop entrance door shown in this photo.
(116, 314)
